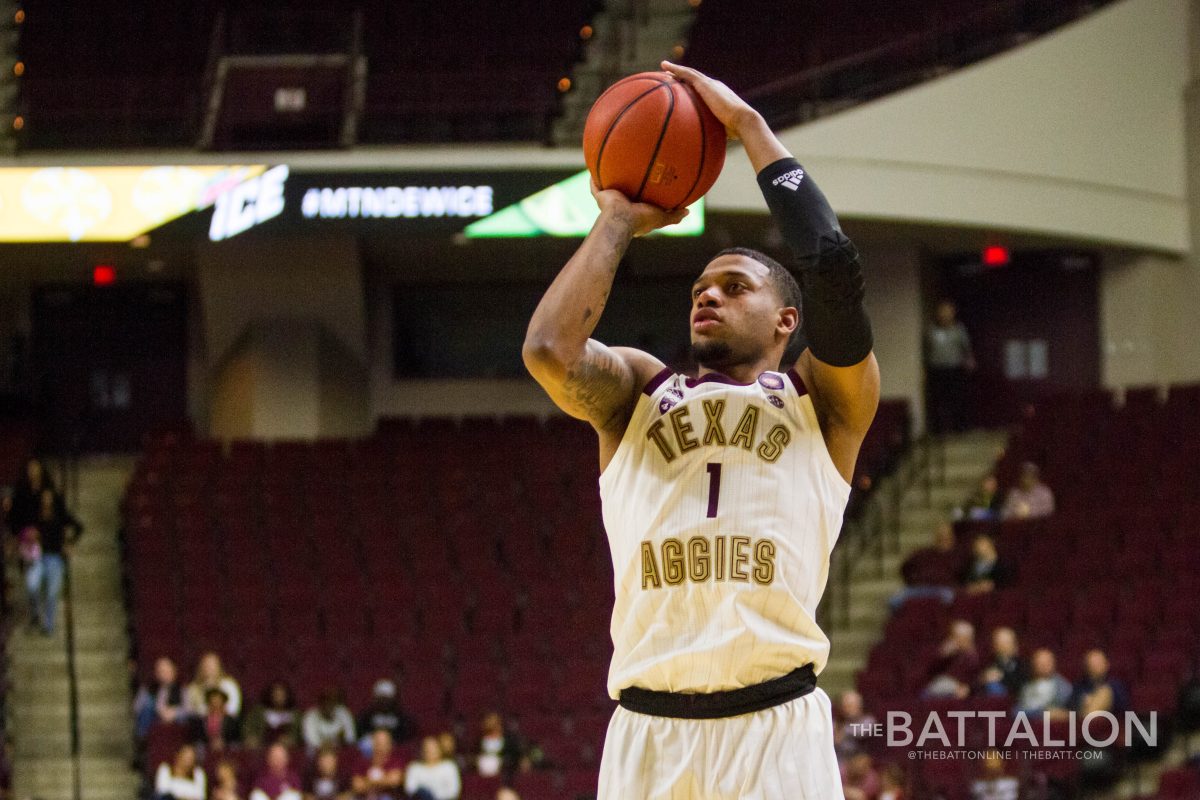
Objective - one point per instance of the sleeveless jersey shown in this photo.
(722, 506)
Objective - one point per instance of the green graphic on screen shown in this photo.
(565, 209)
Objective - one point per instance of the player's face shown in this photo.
(735, 312)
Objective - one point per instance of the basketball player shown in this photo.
(722, 494)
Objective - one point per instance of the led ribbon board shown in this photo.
(565, 209)
(109, 204)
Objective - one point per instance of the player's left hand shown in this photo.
(723, 102)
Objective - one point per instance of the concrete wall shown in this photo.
(1079, 133)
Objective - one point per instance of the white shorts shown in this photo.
(781, 753)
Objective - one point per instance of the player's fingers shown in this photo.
(686, 74)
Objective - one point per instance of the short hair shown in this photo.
(785, 285)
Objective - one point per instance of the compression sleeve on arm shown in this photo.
(830, 275)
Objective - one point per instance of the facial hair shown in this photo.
(711, 353)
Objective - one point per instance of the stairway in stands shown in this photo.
(40, 704)
(874, 579)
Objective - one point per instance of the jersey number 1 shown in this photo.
(714, 487)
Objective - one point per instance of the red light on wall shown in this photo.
(104, 275)
(996, 256)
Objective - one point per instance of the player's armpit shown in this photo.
(601, 386)
(845, 399)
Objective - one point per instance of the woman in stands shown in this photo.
(182, 779)
(210, 674)
(160, 700)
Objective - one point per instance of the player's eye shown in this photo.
(734, 287)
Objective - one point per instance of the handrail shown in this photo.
(70, 486)
(906, 61)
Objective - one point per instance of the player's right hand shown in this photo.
(642, 218)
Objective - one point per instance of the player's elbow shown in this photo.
(543, 355)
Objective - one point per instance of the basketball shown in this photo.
(652, 138)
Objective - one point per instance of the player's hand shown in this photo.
(723, 102)
(642, 218)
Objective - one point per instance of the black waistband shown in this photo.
(717, 705)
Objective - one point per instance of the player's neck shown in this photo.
(741, 373)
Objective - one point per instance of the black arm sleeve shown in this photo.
(830, 276)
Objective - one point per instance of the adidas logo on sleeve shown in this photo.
(790, 179)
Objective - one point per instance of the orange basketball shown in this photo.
(651, 137)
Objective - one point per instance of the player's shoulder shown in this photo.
(645, 367)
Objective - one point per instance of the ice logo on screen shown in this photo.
(249, 203)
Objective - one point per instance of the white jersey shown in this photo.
(722, 506)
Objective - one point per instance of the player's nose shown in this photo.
(710, 297)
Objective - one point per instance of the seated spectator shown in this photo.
(380, 777)
(277, 781)
(434, 777)
(449, 747)
(326, 780)
(499, 749)
(329, 722)
(225, 782)
(994, 784)
(1097, 690)
(160, 700)
(931, 571)
(211, 675)
(957, 663)
(851, 725)
(1046, 692)
(385, 714)
(860, 780)
(274, 719)
(505, 793)
(216, 729)
(892, 783)
(986, 571)
(1030, 498)
(984, 504)
(182, 779)
(1005, 674)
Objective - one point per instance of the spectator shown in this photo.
(210, 674)
(499, 750)
(216, 729)
(225, 782)
(931, 571)
(385, 714)
(57, 533)
(986, 571)
(27, 494)
(160, 700)
(1097, 690)
(277, 781)
(985, 504)
(380, 777)
(326, 781)
(892, 783)
(994, 784)
(948, 361)
(182, 779)
(329, 722)
(851, 725)
(1030, 498)
(1005, 674)
(860, 780)
(1046, 692)
(29, 552)
(505, 793)
(435, 776)
(957, 663)
(449, 747)
(274, 719)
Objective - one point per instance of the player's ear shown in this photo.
(789, 320)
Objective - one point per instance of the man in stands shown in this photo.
(957, 663)
(1005, 674)
(931, 571)
(1097, 690)
(381, 776)
(328, 723)
(851, 724)
(1030, 498)
(948, 360)
(385, 714)
(1046, 691)
(986, 571)
(995, 784)
(984, 504)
